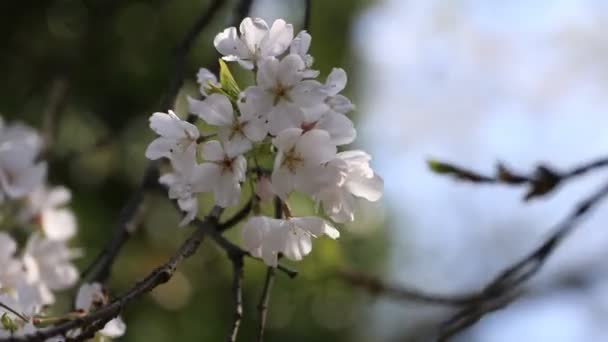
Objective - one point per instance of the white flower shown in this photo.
(299, 158)
(223, 173)
(20, 289)
(19, 171)
(300, 46)
(176, 135)
(348, 176)
(265, 237)
(282, 92)
(257, 41)
(47, 205)
(186, 180)
(51, 262)
(236, 132)
(92, 295)
(205, 79)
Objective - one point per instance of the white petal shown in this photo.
(255, 129)
(369, 188)
(58, 224)
(307, 93)
(278, 39)
(296, 242)
(205, 176)
(315, 147)
(336, 81)
(340, 128)
(160, 148)
(114, 328)
(58, 196)
(290, 70)
(300, 44)
(216, 109)
(213, 151)
(252, 32)
(284, 116)
(237, 145)
(316, 226)
(287, 139)
(340, 104)
(170, 125)
(239, 168)
(253, 232)
(268, 73)
(227, 191)
(228, 43)
(255, 102)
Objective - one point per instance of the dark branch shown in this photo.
(541, 181)
(99, 270)
(237, 293)
(264, 300)
(158, 276)
(505, 287)
(237, 218)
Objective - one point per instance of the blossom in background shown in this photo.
(280, 134)
(48, 207)
(30, 274)
(91, 296)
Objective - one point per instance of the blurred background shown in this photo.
(472, 82)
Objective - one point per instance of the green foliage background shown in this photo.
(115, 58)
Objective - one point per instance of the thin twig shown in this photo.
(540, 182)
(238, 217)
(158, 276)
(264, 300)
(237, 293)
(14, 312)
(100, 269)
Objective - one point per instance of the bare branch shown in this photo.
(541, 181)
(506, 286)
(100, 268)
(237, 293)
(238, 217)
(264, 300)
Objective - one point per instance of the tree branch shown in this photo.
(238, 217)
(264, 300)
(541, 181)
(158, 276)
(506, 286)
(237, 293)
(99, 270)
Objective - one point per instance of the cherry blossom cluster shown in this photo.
(35, 228)
(280, 135)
